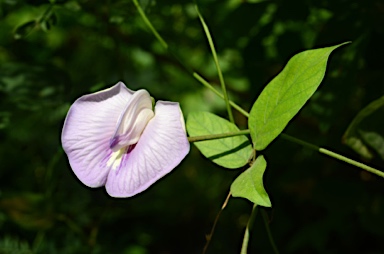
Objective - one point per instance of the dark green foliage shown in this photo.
(51, 52)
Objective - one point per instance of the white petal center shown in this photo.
(130, 125)
(132, 120)
(116, 157)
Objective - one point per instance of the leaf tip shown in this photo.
(344, 43)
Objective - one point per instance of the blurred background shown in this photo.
(52, 52)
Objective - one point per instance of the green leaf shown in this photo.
(48, 22)
(286, 94)
(363, 114)
(249, 184)
(23, 30)
(365, 133)
(231, 152)
(356, 144)
(375, 141)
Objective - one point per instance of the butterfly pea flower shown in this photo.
(117, 139)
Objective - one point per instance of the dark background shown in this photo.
(320, 205)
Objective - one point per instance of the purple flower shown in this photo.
(115, 138)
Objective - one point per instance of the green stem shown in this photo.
(149, 24)
(209, 237)
(333, 155)
(210, 87)
(300, 142)
(251, 219)
(266, 223)
(352, 162)
(218, 136)
(213, 50)
(197, 76)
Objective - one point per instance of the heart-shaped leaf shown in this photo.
(249, 184)
(230, 152)
(286, 94)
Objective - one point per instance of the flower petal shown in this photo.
(161, 147)
(133, 120)
(88, 128)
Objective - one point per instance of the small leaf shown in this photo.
(363, 114)
(374, 140)
(48, 22)
(286, 94)
(359, 147)
(232, 152)
(24, 29)
(249, 184)
(365, 132)
(53, 19)
(45, 25)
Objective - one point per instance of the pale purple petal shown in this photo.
(161, 147)
(89, 126)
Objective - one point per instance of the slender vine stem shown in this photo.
(210, 87)
(209, 237)
(149, 24)
(299, 141)
(266, 223)
(218, 136)
(333, 155)
(251, 219)
(352, 162)
(213, 50)
(197, 76)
